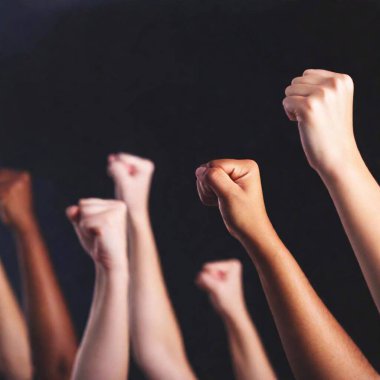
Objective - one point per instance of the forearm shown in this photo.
(104, 352)
(51, 331)
(315, 344)
(356, 196)
(156, 338)
(15, 355)
(249, 358)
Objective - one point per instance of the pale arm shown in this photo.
(103, 353)
(156, 338)
(249, 358)
(15, 353)
(356, 196)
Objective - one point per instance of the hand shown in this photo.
(234, 186)
(16, 199)
(322, 104)
(101, 228)
(132, 176)
(222, 281)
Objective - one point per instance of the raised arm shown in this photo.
(15, 355)
(321, 102)
(222, 281)
(315, 344)
(155, 335)
(50, 328)
(103, 353)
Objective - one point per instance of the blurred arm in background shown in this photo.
(155, 335)
(15, 355)
(316, 345)
(223, 282)
(51, 332)
(104, 350)
(322, 104)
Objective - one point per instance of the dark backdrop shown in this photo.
(182, 82)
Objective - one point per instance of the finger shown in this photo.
(294, 106)
(207, 197)
(131, 161)
(237, 170)
(90, 226)
(92, 201)
(136, 163)
(73, 214)
(205, 282)
(117, 169)
(309, 79)
(219, 182)
(206, 194)
(322, 73)
(93, 209)
(301, 89)
(223, 265)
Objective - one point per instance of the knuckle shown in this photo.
(310, 103)
(212, 174)
(235, 263)
(334, 82)
(253, 165)
(295, 80)
(321, 92)
(347, 80)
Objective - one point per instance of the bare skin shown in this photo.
(15, 353)
(155, 334)
(316, 345)
(104, 351)
(222, 281)
(322, 103)
(50, 328)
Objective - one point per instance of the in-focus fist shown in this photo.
(132, 176)
(235, 187)
(222, 281)
(16, 200)
(322, 104)
(101, 228)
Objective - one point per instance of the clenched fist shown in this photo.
(101, 228)
(322, 104)
(16, 200)
(235, 187)
(132, 176)
(222, 280)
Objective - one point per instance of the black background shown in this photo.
(183, 82)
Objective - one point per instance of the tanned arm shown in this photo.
(316, 345)
(50, 327)
(156, 339)
(321, 102)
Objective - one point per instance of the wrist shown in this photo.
(138, 218)
(115, 272)
(235, 316)
(24, 225)
(345, 162)
(343, 170)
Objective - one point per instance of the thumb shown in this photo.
(206, 282)
(217, 180)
